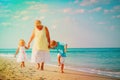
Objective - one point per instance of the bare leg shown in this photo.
(59, 63)
(38, 66)
(62, 68)
(42, 66)
(23, 63)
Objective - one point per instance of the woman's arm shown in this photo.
(31, 38)
(26, 47)
(48, 36)
(17, 51)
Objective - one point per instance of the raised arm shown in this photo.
(65, 48)
(17, 51)
(48, 36)
(31, 38)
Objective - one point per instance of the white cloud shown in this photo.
(25, 18)
(101, 23)
(95, 9)
(88, 2)
(42, 17)
(16, 17)
(5, 11)
(37, 6)
(67, 10)
(108, 11)
(72, 11)
(91, 2)
(113, 10)
(76, 1)
(20, 14)
(43, 10)
(30, 2)
(80, 11)
(23, 12)
(6, 23)
(117, 7)
(118, 16)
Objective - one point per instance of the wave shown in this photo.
(96, 71)
(69, 50)
(92, 71)
(7, 55)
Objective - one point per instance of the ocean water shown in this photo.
(103, 61)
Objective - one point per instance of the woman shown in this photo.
(40, 50)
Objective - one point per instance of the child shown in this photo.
(22, 55)
(61, 48)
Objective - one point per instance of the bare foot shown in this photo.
(59, 64)
(42, 69)
(62, 71)
(38, 67)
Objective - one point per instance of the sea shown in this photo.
(102, 61)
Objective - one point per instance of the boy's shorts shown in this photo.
(62, 59)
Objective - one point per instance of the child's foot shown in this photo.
(62, 71)
(59, 64)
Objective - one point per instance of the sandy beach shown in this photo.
(10, 70)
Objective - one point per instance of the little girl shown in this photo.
(22, 55)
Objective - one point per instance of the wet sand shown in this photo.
(10, 70)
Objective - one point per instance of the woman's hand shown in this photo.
(49, 46)
(28, 45)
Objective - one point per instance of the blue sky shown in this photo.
(79, 23)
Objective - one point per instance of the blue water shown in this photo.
(104, 61)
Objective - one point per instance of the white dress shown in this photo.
(21, 55)
(40, 50)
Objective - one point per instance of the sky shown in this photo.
(79, 23)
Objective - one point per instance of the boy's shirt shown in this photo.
(60, 48)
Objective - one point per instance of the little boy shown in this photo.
(61, 48)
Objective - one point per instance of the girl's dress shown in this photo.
(21, 55)
(40, 50)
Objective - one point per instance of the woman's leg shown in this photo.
(42, 66)
(38, 66)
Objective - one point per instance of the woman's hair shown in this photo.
(37, 22)
(21, 42)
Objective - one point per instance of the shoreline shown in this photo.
(10, 70)
(81, 69)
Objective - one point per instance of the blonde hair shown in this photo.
(37, 22)
(21, 42)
